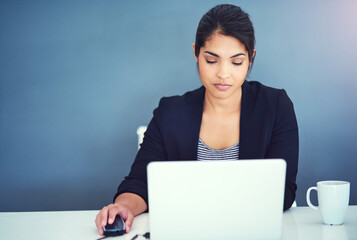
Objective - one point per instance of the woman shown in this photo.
(227, 118)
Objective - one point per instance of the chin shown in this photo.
(222, 95)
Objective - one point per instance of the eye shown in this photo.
(237, 64)
(210, 62)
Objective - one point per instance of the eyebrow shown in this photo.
(216, 55)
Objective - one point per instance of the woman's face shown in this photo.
(223, 64)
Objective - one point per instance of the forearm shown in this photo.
(289, 195)
(133, 202)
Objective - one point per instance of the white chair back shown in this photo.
(140, 132)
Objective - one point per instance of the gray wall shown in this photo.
(78, 78)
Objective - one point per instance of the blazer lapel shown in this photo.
(246, 147)
(191, 125)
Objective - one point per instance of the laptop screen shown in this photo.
(216, 199)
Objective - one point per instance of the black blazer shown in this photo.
(268, 129)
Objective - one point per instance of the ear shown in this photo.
(253, 56)
(193, 46)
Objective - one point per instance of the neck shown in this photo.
(223, 106)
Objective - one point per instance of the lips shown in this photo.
(222, 87)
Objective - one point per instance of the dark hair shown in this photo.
(228, 20)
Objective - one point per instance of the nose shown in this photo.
(223, 71)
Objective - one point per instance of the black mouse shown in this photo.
(117, 228)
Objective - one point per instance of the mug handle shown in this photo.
(308, 198)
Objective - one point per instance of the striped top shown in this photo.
(204, 152)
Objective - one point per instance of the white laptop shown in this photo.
(216, 199)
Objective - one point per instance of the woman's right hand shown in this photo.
(108, 214)
(127, 205)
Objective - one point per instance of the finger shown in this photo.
(103, 217)
(101, 231)
(113, 211)
(96, 220)
(129, 222)
(97, 223)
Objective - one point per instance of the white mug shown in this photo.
(333, 198)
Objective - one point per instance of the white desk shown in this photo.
(305, 223)
(298, 223)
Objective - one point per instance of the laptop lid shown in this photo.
(216, 199)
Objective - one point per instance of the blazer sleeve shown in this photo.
(285, 144)
(152, 149)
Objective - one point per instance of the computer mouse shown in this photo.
(116, 228)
